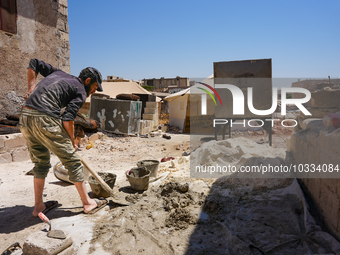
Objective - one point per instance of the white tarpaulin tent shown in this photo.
(187, 102)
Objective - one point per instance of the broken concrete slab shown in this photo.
(40, 244)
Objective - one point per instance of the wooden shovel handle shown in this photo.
(96, 176)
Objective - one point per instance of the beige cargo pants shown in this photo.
(45, 133)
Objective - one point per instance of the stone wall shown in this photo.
(314, 84)
(43, 33)
(13, 148)
(316, 144)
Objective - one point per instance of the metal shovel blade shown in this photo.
(56, 234)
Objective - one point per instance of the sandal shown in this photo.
(49, 205)
(100, 204)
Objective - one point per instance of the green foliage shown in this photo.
(148, 88)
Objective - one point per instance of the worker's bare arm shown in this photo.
(31, 81)
(69, 127)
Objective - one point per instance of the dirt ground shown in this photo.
(176, 215)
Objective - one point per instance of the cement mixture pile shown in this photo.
(182, 215)
(223, 216)
(227, 218)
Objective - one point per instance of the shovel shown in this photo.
(113, 197)
(58, 234)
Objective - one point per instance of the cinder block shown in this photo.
(151, 105)
(39, 244)
(14, 141)
(149, 123)
(150, 110)
(20, 154)
(142, 124)
(5, 158)
(149, 116)
(144, 130)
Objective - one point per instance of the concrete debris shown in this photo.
(39, 244)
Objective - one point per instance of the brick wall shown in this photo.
(316, 144)
(13, 148)
(43, 33)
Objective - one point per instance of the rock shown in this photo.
(185, 153)
(84, 141)
(96, 136)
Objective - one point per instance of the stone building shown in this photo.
(163, 84)
(30, 29)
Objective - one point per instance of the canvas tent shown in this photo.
(187, 103)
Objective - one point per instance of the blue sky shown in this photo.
(153, 39)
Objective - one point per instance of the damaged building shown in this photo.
(30, 29)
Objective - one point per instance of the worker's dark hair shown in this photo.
(94, 74)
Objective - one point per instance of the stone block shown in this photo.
(20, 154)
(150, 110)
(144, 130)
(142, 123)
(151, 105)
(68, 251)
(63, 2)
(14, 141)
(148, 123)
(2, 141)
(64, 36)
(149, 116)
(40, 244)
(61, 25)
(325, 99)
(5, 157)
